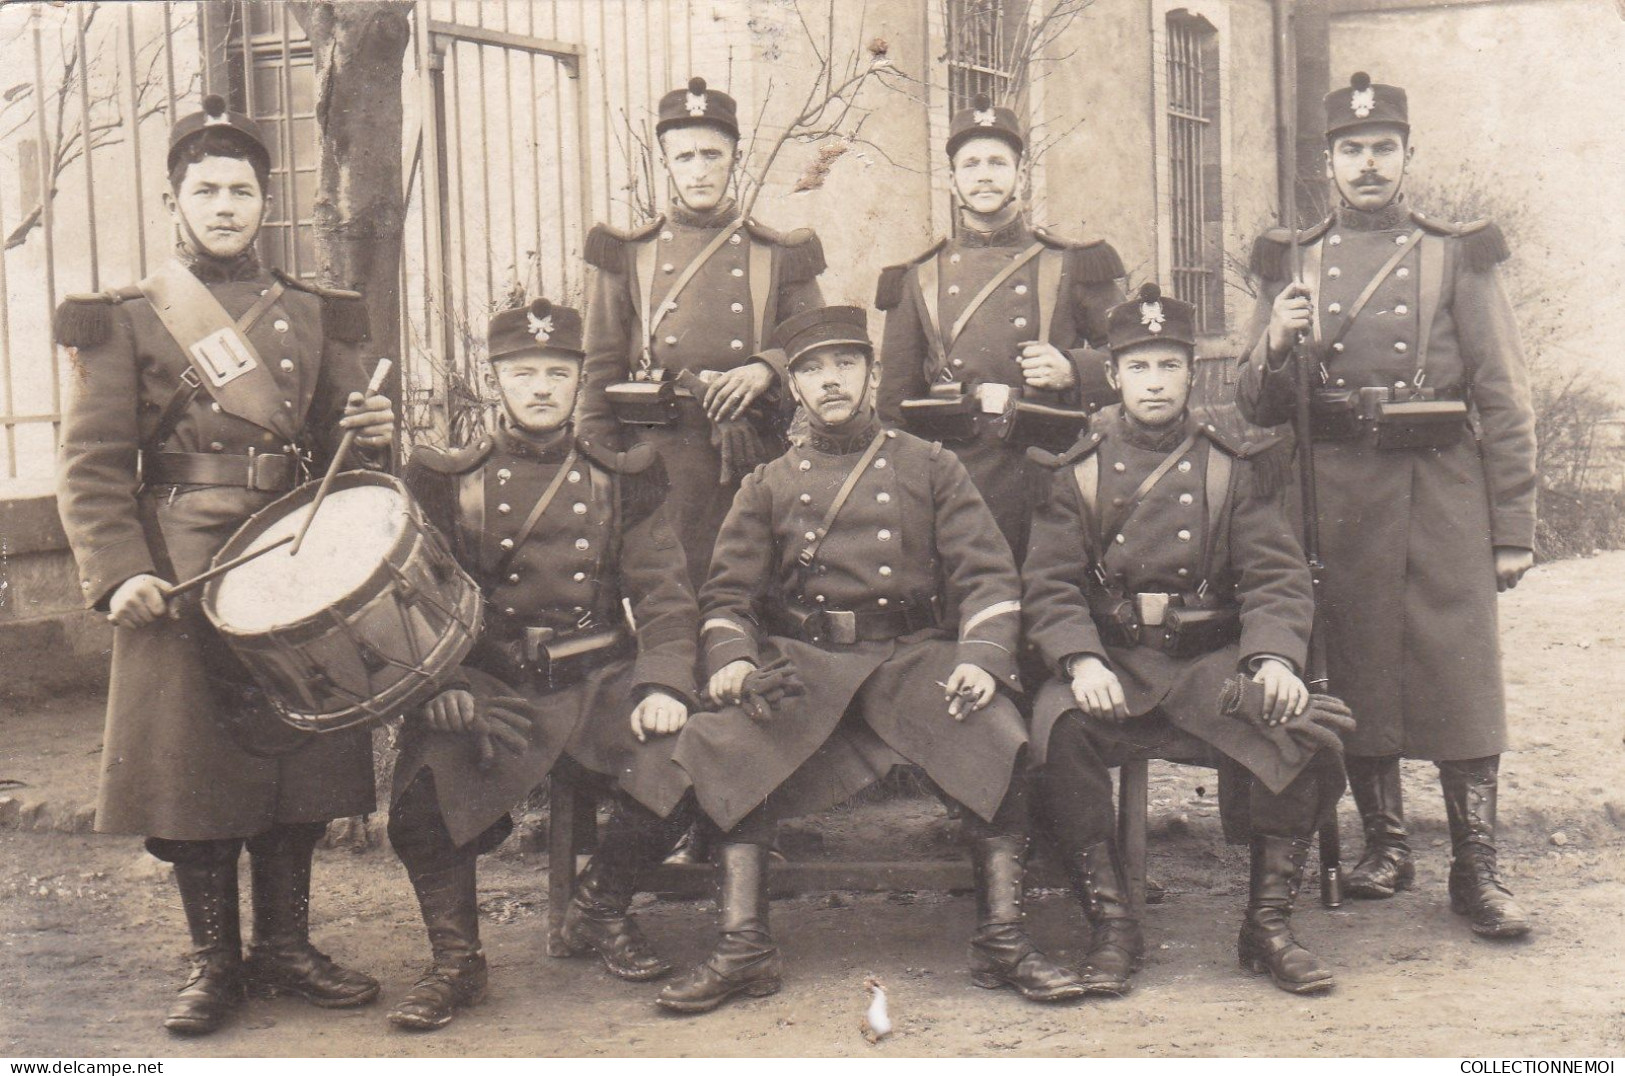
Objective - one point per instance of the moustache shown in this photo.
(1370, 180)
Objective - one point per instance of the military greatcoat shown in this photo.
(720, 321)
(914, 534)
(168, 768)
(925, 298)
(602, 540)
(1407, 536)
(1196, 524)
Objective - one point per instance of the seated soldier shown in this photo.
(558, 533)
(1161, 566)
(890, 616)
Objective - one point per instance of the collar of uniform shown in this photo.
(1008, 236)
(212, 270)
(1155, 438)
(1393, 216)
(725, 213)
(547, 447)
(851, 436)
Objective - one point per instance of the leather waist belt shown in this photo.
(267, 472)
(549, 659)
(844, 627)
(1183, 625)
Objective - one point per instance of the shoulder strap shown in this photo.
(1050, 264)
(925, 297)
(471, 516)
(536, 512)
(643, 264)
(1146, 486)
(809, 552)
(1427, 305)
(1086, 473)
(762, 291)
(1219, 469)
(1376, 282)
(988, 289)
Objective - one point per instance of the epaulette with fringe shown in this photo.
(1482, 241)
(1269, 260)
(642, 486)
(344, 312)
(1240, 444)
(87, 320)
(1091, 262)
(801, 252)
(889, 289)
(606, 245)
(452, 460)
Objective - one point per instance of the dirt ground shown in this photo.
(92, 938)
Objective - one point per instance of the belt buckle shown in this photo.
(993, 397)
(842, 626)
(258, 479)
(1152, 608)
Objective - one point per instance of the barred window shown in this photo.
(269, 75)
(1194, 180)
(982, 38)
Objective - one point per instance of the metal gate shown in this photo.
(498, 204)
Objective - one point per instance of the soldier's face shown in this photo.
(1155, 379)
(985, 173)
(831, 383)
(700, 161)
(1368, 164)
(220, 203)
(538, 391)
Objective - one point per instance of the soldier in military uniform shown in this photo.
(864, 564)
(558, 531)
(1004, 319)
(200, 396)
(1425, 466)
(1162, 565)
(683, 305)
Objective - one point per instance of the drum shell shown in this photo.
(380, 650)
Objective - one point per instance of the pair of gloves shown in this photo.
(767, 686)
(1322, 725)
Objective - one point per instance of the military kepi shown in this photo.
(984, 120)
(216, 117)
(530, 330)
(1364, 102)
(698, 105)
(1150, 316)
(829, 326)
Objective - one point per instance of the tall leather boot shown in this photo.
(1116, 945)
(1266, 944)
(1001, 954)
(597, 919)
(282, 960)
(1385, 865)
(215, 986)
(1476, 890)
(458, 976)
(746, 960)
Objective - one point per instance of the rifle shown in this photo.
(1304, 362)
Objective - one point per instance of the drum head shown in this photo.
(358, 524)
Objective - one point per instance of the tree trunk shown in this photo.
(359, 47)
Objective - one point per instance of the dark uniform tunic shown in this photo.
(1230, 531)
(1409, 597)
(603, 539)
(1086, 286)
(719, 321)
(914, 534)
(169, 770)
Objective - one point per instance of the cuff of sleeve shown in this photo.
(1275, 642)
(728, 649)
(105, 569)
(777, 360)
(1255, 661)
(994, 658)
(662, 672)
(1512, 529)
(1065, 664)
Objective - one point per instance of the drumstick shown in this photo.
(345, 442)
(198, 580)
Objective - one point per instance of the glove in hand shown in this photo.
(1322, 725)
(741, 447)
(768, 685)
(500, 721)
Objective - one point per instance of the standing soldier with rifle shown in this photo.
(1424, 452)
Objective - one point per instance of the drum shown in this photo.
(363, 623)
